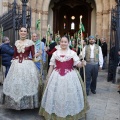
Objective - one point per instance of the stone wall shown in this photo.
(103, 14)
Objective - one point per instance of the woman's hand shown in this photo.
(46, 48)
(83, 62)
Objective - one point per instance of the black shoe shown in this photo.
(93, 91)
(87, 93)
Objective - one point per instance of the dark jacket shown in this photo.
(7, 53)
(104, 49)
(43, 40)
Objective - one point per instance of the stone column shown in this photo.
(99, 17)
(33, 20)
(45, 8)
(105, 26)
(44, 22)
(98, 23)
(5, 6)
(39, 15)
(1, 7)
(33, 16)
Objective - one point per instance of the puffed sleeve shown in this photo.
(52, 60)
(75, 58)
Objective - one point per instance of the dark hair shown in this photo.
(23, 27)
(65, 37)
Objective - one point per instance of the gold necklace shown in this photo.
(23, 38)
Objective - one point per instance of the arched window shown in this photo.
(72, 26)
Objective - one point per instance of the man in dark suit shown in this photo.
(104, 51)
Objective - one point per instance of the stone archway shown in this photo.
(67, 13)
(46, 19)
(102, 14)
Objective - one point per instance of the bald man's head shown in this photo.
(34, 37)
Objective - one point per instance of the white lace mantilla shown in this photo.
(22, 80)
(21, 47)
(70, 54)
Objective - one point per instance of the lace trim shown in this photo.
(21, 47)
(67, 57)
(22, 80)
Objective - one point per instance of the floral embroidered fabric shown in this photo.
(64, 67)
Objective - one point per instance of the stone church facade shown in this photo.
(97, 22)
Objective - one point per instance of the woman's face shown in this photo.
(64, 43)
(23, 32)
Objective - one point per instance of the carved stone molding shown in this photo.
(99, 13)
(5, 4)
(45, 12)
(105, 12)
(39, 11)
(33, 10)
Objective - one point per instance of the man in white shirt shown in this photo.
(94, 59)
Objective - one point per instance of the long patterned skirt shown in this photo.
(64, 97)
(20, 87)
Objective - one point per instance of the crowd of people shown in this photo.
(65, 94)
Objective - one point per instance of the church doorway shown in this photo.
(66, 16)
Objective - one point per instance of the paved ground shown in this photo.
(105, 105)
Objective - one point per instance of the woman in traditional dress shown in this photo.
(64, 97)
(20, 87)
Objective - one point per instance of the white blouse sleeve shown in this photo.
(52, 60)
(76, 59)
